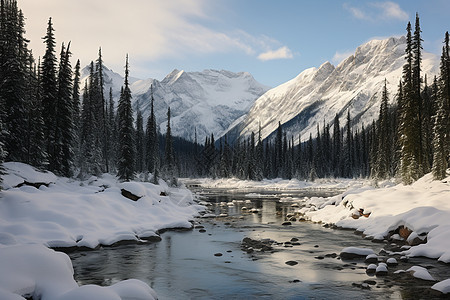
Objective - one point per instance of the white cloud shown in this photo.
(356, 12)
(280, 53)
(391, 10)
(376, 11)
(149, 30)
(340, 56)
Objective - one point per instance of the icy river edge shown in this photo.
(49, 217)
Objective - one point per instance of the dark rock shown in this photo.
(152, 238)
(332, 255)
(319, 257)
(229, 251)
(291, 263)
(295, 244)
(34, 184)
(316, 246)
(370, 282)
(371, 260)
(163, 193)
(218, 254)
(286, 223)
(295, 281)
(294, 240)
(417, 241)
(129, 195)
(227, 262)
(202, 230)
(199, 226)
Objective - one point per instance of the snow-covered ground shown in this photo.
(40, 210)
(423, 208)
(281, 184)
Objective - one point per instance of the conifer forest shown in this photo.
(51, 120)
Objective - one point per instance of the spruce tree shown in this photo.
(13, 81)
(62, 158)
(408, 136)
(278, 151)
(112, 137)
(140, 141)
(76, 110)
(126, 155)
(383, 155)
(152, 143)
(49, 90)
(440, 146)
(417, 99)
(169, 159)
(35, 135)
(337, 147)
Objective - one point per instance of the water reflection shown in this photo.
(183, 264)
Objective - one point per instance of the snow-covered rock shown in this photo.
(442, 286)
(421, 273)
(355, 252)
(319, 94)
(423, 207)
(381, 269)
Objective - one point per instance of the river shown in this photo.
(209, 262)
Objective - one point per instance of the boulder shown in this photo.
(371, 259)
(129, 195)
(355, 252)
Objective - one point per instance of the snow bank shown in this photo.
(38, 272)
(279, 184)
(71, 213)
(423, 207)
(62, 212)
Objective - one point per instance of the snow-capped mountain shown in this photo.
(316, 95)
(207, 101)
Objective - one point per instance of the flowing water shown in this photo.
(208, 262)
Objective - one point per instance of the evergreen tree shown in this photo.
(169, 159)
(417, 99)
(13, 81)
(35, 135)
(409, 134)
(112, 133)
(348, 149)
(278, 150)
(383, 155)
(152, 146)
(140, 141)
(337, 147)
(49, 90)
(440, 145)
(126, 155)
(76, 109)
(62, 158)
(102, 109)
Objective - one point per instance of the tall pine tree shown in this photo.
(126, 155)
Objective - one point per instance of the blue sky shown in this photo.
(272, 40)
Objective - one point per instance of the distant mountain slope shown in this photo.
(318, 94)
(207, 101)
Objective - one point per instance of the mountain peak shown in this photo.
(317, 95)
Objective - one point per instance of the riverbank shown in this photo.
(416, 215)
(40, 210)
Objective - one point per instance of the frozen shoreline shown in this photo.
(40, 210)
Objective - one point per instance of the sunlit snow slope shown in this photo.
(207, 101)
(316, 95)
